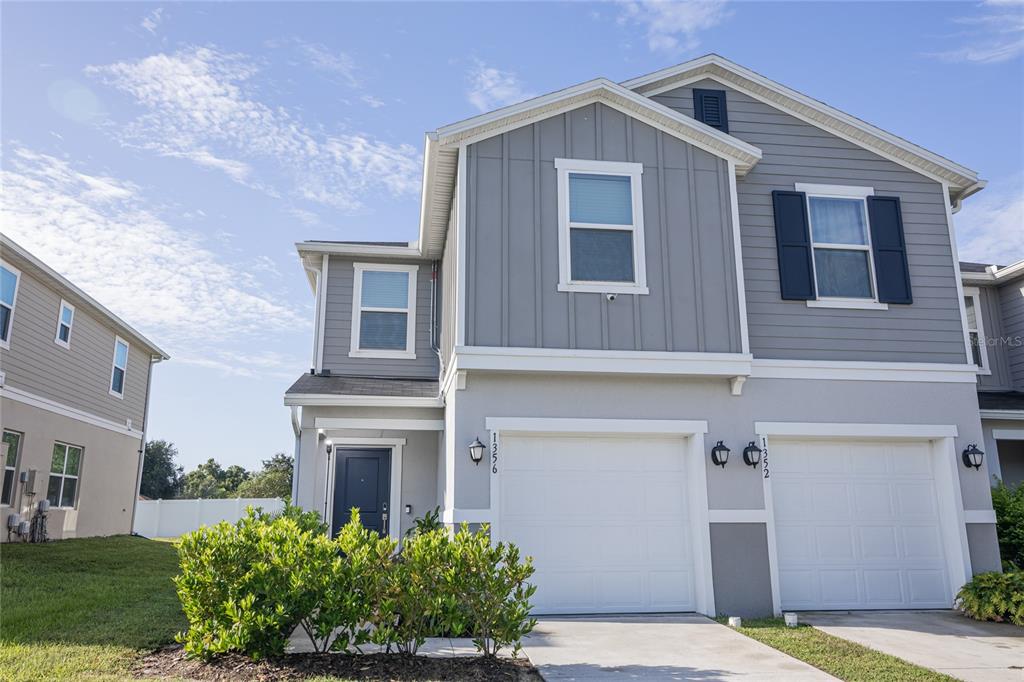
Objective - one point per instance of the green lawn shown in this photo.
(839, 657)
(83, 609)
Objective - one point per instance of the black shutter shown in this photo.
(793, 238)
(709, 108)
(890, 250)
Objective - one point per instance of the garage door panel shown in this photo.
(879, 543)
(872, 501)
(922, 542)
(927, 587)
(916, 499)
(883, 587)
(839, 587)
(791, 502)
(834, 543)
(830, 500)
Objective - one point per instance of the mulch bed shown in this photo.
(172, 662)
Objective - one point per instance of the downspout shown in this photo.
(153, 359)
(297, 428)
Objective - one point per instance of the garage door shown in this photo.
(857, 526)
(605, 519)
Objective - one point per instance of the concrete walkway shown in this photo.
(941, 640)
(685, 647)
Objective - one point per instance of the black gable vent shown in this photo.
(709, 108)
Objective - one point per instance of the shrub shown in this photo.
(1008, 503)
(994, 596)
(489, 583)
(426, 523)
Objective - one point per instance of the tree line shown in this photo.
(163, 478)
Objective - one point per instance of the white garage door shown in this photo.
(605, 519)
(857, 526)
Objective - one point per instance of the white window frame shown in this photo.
(14, 470)
(620, 168)
(410, 310)
(6, 343)
(975, 294)
(113, 364)
(60, 323)
(842, 192)
(64, 475)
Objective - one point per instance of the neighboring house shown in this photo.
(74, 393)
(611, 280)
(994, 300)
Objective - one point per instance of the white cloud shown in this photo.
(990, 226)
(152, 20)
(674, 25)
(374, 102)
(336, 63)
(491, 88)
(98, 232)
(996, 35)
(200, 104)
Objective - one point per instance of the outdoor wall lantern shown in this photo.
(329, 445)
(720, 454)
(973, 456)
(752, 454)
(476, 450)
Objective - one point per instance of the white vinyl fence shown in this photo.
(171, 518)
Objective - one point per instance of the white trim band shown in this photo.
(673, 427)
(863, 371)
(979, 516)
(601, 361)
(737, 516)
(42, 403)
(331, 400)
(379, 424)
(841, 430)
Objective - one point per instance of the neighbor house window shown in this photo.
(12, 446)
(65, 466)
(120, 369)
(9, 278)
(841, 238)
(65, 318)
(601, 229)
(384, 311)
(976, 329)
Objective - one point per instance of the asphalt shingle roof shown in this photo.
(380, 386)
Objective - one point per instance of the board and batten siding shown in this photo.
(512, 296)
(998, 360)
(449, 286)
(929, 330)
(1011, 298)
(79, 376)
(338, 326)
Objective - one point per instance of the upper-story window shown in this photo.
(976, 329)
(65, 318)
(384, 311)
(119, 371)
(9, 278)
(601, 227)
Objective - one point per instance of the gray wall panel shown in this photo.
(1011, 299)
(984, 548)
(512, 242)
(739, 555)
(795, 151)
(338, 326)
(998, 359)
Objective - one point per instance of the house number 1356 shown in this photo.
(494, 453)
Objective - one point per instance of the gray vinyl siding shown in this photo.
(928, 331)
(1011, 298)
(338, 326)
(512, 242)
(449, 284)
(78, 377)
(998, 360)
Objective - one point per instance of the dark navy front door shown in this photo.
(362, 478)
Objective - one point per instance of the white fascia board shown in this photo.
(379, 424)
(331, 400)
(53, 406)
(863, 371)
(841, 430)
(672, 427)
(1009, 415)
(1010, 271)
(411, 250)
(813, 111)
(1008, 434)
(601, 361)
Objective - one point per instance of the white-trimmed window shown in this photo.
(601, 227)
(11, 448)
(65, 318)
(65, 468)
(119, 368)
(844, 269)
(384, 311)
(9, 279)
(976, 329)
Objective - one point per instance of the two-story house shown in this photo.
(74, 397)
(994, 301)
(694, 341)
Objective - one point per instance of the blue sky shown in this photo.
(165, 157)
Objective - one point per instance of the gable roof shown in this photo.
(980, 273)
(962, 181)
(440, 164)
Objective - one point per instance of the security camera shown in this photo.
(610, 297)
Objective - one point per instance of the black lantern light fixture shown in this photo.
(752, 454)
(720, 454)
(329, 444)
(476, 450)
(973, 457)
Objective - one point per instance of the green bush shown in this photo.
(994, 596)
(1008, 503)
(491, 588)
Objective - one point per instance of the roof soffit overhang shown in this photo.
(960, 180)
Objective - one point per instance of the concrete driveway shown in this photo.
(685, 647)
(941, 640)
